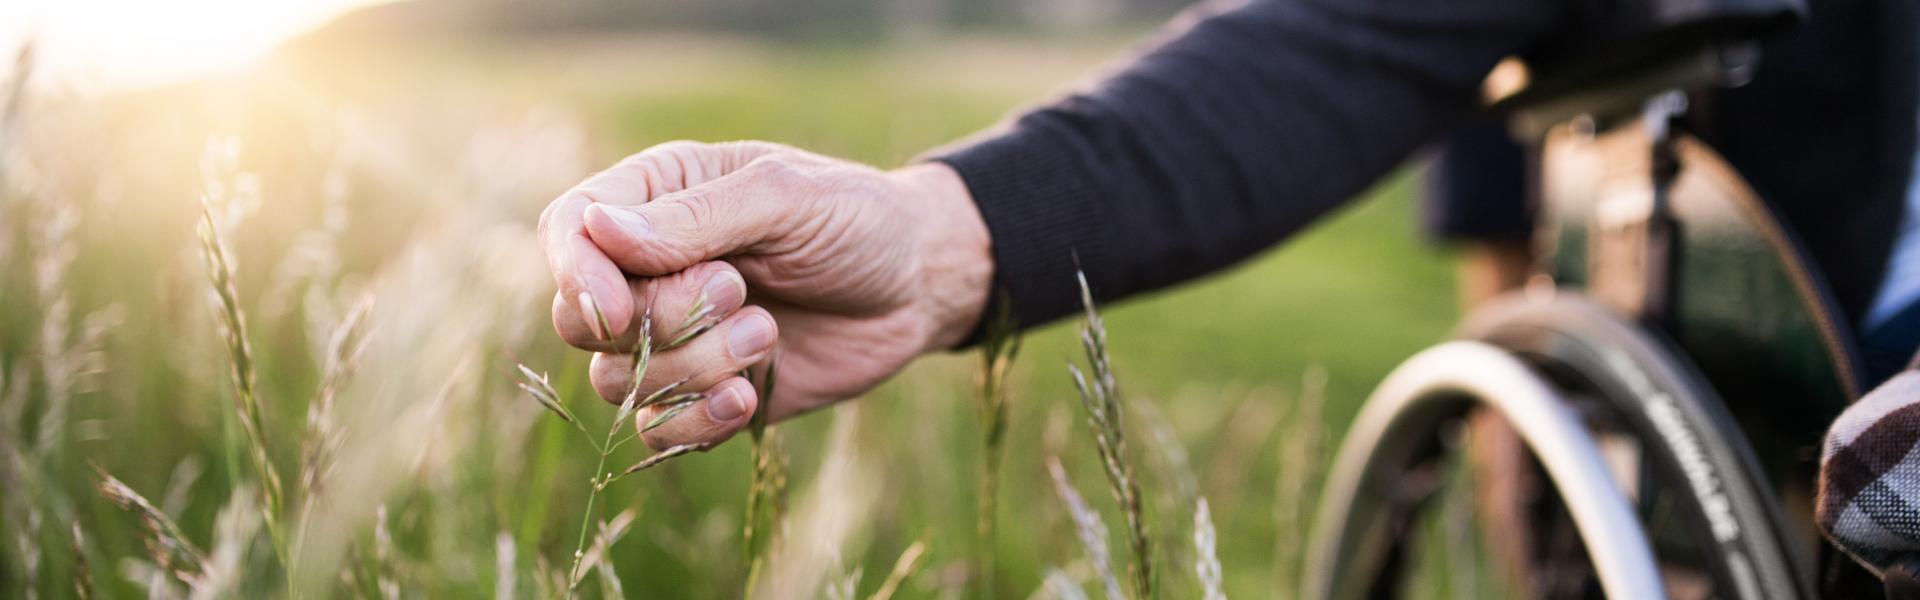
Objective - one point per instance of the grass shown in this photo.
(1100, 396)
(383, 174)
(998, 349)
(672, 405)
(246, 397)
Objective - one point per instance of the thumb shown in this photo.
(738, 213)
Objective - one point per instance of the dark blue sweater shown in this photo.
(1240, 127)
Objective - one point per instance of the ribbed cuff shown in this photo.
(1042, 211)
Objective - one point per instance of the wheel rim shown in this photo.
(1444, 382)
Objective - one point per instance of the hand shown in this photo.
(843, 271)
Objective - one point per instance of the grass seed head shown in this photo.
(168, 546)
(672, 410)
(537, 386)
(1100, 395)
(1207, 566)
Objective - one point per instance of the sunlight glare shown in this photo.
(125, 43)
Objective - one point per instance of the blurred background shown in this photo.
(396, 155)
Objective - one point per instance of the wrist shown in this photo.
(956, 253)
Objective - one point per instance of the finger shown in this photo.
(727, 407)
(584, 274)
(587, 279)
(737, 213)
(679, 303)
(738, 342)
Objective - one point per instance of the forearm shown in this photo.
(1226, 139)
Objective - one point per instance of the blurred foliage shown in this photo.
(784, 19)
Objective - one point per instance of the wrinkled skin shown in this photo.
(846, 273)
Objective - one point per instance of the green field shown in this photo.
(440, 156)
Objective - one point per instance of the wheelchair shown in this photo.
(1671, 371)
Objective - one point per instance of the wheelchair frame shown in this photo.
(1638, 212)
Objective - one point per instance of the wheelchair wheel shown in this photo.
(1649, 489)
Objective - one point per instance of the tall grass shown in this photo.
(172, 552)
(998, 349)
(766, 495)
(1207, 566)
(619, 433)
(241, 369)
(411, 466)
(1100, 396)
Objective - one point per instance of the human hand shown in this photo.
(846, 272)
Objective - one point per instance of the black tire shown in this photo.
(1632, 380)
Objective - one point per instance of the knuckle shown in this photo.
(544, 227)
(664, 150)
(665, 165)
(777, 167)
(672, 146)
(699, 209)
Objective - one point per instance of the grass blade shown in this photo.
(241, 369)
(904, 567)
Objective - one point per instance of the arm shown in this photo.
(1227, 138)
(1220, 142)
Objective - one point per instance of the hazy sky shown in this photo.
(118, 43)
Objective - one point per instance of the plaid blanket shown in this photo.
(1869, 501)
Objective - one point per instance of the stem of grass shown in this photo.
(1002, 344)
(642, 355)
(769, 481)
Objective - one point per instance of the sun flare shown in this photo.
(119, 43)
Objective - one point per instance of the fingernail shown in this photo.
(725, 291)
(628, 220)
(591, 313)
(726, 407)
(752, 335)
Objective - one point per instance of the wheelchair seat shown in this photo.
(1624, 51)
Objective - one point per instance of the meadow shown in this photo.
(374, 204)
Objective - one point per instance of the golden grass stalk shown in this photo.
(321, 440)
(661, 457)
(166, 544)
(998, 350)
(609, 533)
(1207, 565)
(541, 389)
(765, 496)
(344, 348)
(803, 553)
(675, 406)
(903, 567)
(82, 574)
(696, 322)
(240, 360)
(1088, 527)
(1100, 395)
